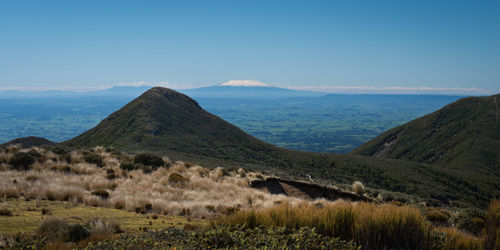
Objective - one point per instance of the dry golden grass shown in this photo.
(455, 239)
(201, 189)
(492, 230)
(370, 225)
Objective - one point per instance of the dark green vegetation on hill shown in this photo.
(332, 123)
(28, 142)
(166, 121)
(463, 137)
(169, 123)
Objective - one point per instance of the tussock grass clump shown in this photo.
(455, 239)
(102, 226)
(492, 229)
(358, 187)
(5, 157)
(372, 226)
(176, 178)
(438, 216)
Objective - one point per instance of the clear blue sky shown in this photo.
(442, 44)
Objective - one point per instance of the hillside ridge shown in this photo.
(168, 123)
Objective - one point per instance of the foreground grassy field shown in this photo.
(27, 216)
(100, 199)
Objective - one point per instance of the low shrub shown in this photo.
(224, 237)
(46, 211)
(145, 169)
(77, 232)
(110, 174)
(33, 153)
(59, 151)
(120, 205)
(127, 166)
(53, 228)
(102, 226)
(149, 160)
(5, 212)
(67, 157)
(21, 161)
(63, 168)
(101, 193)
(58, 229)
(470, 220)
(93, 159)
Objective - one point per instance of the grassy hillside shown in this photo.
(463, 137)
(169, 123)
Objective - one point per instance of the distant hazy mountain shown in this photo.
(120, 91)
(224, 90)
(169, 123)
(247, 89)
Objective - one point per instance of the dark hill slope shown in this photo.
(166, 121)
(463, 136)
(169, 123)
(28, 142)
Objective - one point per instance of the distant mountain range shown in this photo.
(221, 91)
(169, 123)
(217, 91)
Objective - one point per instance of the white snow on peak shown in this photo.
(244, 83)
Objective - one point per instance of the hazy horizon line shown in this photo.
(327, 89)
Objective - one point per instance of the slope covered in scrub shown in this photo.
(463, 137)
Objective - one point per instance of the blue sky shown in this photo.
(447, 45)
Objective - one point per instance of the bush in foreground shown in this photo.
(226, 237)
